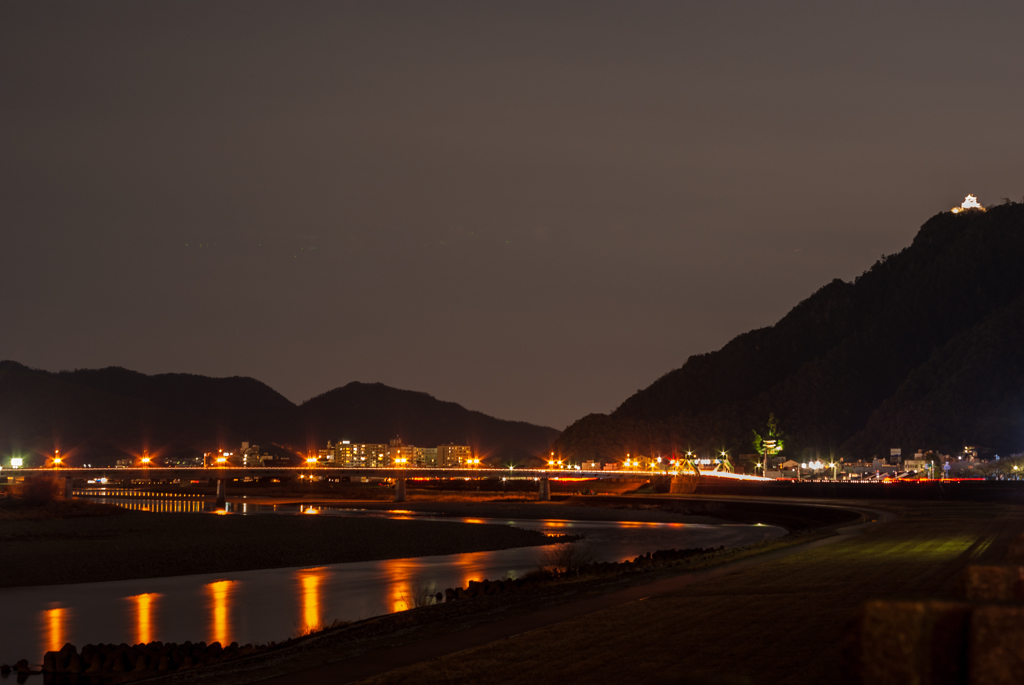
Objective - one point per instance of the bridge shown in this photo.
(222, 474)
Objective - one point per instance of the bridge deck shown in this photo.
(173, 472)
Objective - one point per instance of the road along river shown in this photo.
(274, 604)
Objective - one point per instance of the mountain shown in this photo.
(373, 412)
(920, 351)
(100, 415)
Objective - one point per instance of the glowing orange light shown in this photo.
(310, 580)
(56, 620)
(143, 610)
(311, 510)
(220, 594)
(401, 572)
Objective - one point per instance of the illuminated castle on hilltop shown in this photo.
(970, 202)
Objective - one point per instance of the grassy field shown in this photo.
(784, 621)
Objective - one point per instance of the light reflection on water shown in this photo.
(141, 615)
(220, 594)
(56, 621)
(310, 580)
(273, 604)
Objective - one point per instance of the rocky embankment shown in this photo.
(562, 568)
(122, 662)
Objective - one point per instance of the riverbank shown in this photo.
(124, 545)
(78, 541)
(13, 509)
(345, 653)
(780, 612)
(793, 516)
(459, 507)
(787, 620)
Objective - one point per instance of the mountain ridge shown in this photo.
(112, 412)
(827, 366)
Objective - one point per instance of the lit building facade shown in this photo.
(363, 455)
(374, 455)
(454, 456)
(399, 454)
(426, 456)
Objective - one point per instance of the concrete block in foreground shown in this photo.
(992, 583)
(914, 643)
(997, 645)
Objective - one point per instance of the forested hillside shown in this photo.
(101, 415)
(888, 360)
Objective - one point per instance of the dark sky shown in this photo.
(532, 209)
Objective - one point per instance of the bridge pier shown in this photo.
(222, 491)
(400, 489)
(545, 490)
(68, 487)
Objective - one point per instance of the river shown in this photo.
(274, 604)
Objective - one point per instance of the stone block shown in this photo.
(992, 583)
(1015, 552)
(996, 645)
(913, 643)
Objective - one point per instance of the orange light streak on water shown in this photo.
(220, 595)
(142, 608)
(402, 592)
(471, 566)
(56, 622)
(310, 580)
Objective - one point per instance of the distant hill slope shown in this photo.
(828, 367)
(100, 415)
(373, 412)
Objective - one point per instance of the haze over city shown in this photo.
(532, 209)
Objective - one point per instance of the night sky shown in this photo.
(532, 209)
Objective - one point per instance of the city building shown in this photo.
(250, 454)
(426, 456)
(362, 455)
(454, 456)
(373, 455)
(399, 454)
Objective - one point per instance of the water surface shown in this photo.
(274, 604)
